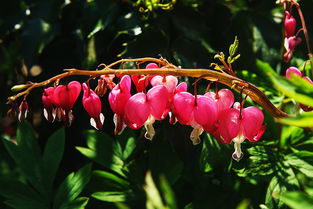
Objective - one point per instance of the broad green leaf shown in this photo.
(102, 149)
(127, 141)
(72, 186)
(297, 200)
(291, 135)
(52, 156)
(283, 180)
(114, 196)
(112, 179)
(78, 203)
(26, 154)
(302, 161)
(304, 119)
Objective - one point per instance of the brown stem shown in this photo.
(306, 35)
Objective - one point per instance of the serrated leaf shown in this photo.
(297, 200)
(72, 186)
(301, 161)
(52, 156)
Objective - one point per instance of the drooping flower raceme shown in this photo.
(93, 106)
(236, 126)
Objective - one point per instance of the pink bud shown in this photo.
(23, 111)
(151, 66)
(294, 71)
(290, 25)
(93, 106)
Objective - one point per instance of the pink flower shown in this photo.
(143, 109)
(104, 82)
(118, 98)
(290, 44)
(23, 111)
(93, 106)
(294, 71)
(140, 81)
(237, 126)
(290, 24)
(199, 112)
(64, 98)
(48, 104)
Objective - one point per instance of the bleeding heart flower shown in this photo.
(48, 104)
(199, 112)
(290, 44)
(64, 98)
(290, 24)
(143, 109)
(237, 126)
(118, 98)
(104, 82)
(93, 106)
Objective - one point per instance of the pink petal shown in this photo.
(137, 110)
(91, 102)
(205, 112)
(181, 87)
(119, 95)
(252, 120)
(183, 107)
(230, 124)
(158, 101)
(294, 71)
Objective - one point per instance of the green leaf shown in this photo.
(304, 119)
(115, 196)
(127, 141)
(72, 186)
(78, 203)
(302, 161)
(283, 180)
(52, 156)
(103, 150)
(167, 193)
(297, 200)
(233, 47)
(112, 179)
(154, 199)
(26, 154)
(20, 195)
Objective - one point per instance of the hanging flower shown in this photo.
(236, 126)
(290, 25)
(48, 104)
(93, 106)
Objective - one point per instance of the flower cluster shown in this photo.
(213, 112)
(295, 71)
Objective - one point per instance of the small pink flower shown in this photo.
(237, 126)
(140, 81)
(143, 109)
(118, 98)
(48, 104)
(290, 24)
(104, 82)
(290, 44)
(23, 111)
(93, 106)
(64, 98)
